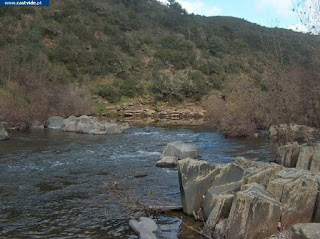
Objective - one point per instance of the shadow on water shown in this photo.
(53, 184)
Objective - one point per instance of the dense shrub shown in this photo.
(184, 84)
(109, 93)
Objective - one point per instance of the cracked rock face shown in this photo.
(248, 199)
(195, 177)
(254, 214)
(297, 191)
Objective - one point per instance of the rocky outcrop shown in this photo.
(285, 133)
(254, 214)
(247, 199)
(300, 156)
(3, 133)
(181, 150)
(146, 227)
(297, 191)
(301, 231)
(167, 162)
(85, 125)
(195, 177)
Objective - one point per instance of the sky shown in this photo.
(270, 13)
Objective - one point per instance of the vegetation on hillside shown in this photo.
(54, 59)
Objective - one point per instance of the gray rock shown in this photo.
(181, 150)
(167, 162)
(315, 161)
(245, 163)
(215, 193)
(195, 177)
(36, 125)
(301, 231)
(288, 154)
(227, 181)
(230, 173)
(3, 133)
(220, 229)
(145, 227)
(297, 191)
(262, 175)
(254, 214)
(305, 156)
(91, 125)
(55, 122)
(221, 208)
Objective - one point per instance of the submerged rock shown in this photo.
(146, 227)
(140, 175)
(181, 150)
(3, 133)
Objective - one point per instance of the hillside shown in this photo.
(65, 58)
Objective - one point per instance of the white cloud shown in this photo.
(298, 28)
(197, 7)
(213, 11)
(282, 7)
(191, 6)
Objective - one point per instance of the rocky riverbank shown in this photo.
(85, 125)
(298, 146)
(247, 199)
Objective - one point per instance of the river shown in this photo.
(61, 185)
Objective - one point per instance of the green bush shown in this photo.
(109, 93)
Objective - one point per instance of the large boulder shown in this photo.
(55, 122)
(221, 208)
(262, 175)
(167, 162)
(305, 157)
(301, 231)
(315, 161)
(181, 150)
(288, 154)
(297, 191)
(228, 181)
(195, 177)
(146, 227)
(3, 133)
(85, 125)
(254, 214)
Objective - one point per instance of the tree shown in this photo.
(308, 12)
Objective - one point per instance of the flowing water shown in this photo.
(61, 185)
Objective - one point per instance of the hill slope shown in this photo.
(55, 59)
